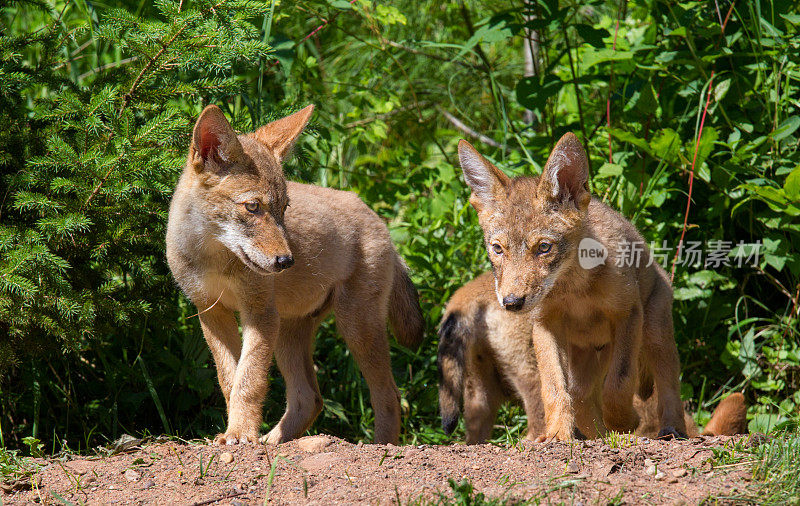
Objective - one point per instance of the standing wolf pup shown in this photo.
(599, 334)
(240, 238)
(486, 358)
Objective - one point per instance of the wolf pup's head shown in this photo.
(241, 189)
(532, 225)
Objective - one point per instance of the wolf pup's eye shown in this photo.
(497, 249)
(252, 207)
(544, 247)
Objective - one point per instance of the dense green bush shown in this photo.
(97, 104)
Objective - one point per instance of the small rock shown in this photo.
(648, 462)
(132, 475)
(313, 444)
(572, 468)
(660, 476)
(650, 470)
(672, 480)
(148, 484)
(680, 473)
(89, 480)
(226, 457)
(611, 468)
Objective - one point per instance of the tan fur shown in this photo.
(486, 358)
(283, 269)
(730, 417)
(599, 334)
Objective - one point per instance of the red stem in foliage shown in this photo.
(691, 174)
(697, 144)
(323, 25)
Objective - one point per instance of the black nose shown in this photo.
(284, 262)
(513, 303)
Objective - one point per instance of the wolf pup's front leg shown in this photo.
(559, 417)
(621, 379)
(250, 381)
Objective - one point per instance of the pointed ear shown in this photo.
(214, 139)
(488, 183)
(565, 176)
(280, 135)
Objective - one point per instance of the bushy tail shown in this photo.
(453, 334)
(729, 418)
(405, 315)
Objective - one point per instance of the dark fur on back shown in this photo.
(450, 363)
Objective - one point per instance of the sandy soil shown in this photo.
(326, 470)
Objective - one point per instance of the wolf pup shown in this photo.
(240, 238)
(600, 333)
(486, 358)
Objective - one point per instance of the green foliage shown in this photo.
(774, 463)
(97, 103)
(90, 165)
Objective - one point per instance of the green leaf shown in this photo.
(342, 5)
(666, 145)
(786, 128)
(592, 57)
(609, 170)
(792, 185)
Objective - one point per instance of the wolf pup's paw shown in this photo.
(273, 437)
(236, 437)
(564, 433)
(669, 432)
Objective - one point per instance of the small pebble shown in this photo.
(132, 475)
(572, 468)
(660, 475)
(650, 470)
(148, 484)
(680, 473)
(226, 457)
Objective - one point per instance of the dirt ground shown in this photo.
(327, 470)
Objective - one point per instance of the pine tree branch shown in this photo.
(128, 96)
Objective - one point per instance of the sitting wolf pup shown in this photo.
(235, 244)
(599, 334)
(486, 358)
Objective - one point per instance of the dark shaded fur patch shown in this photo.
(449, 423)
(624, 370)
(449, 344)
(670, 432)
